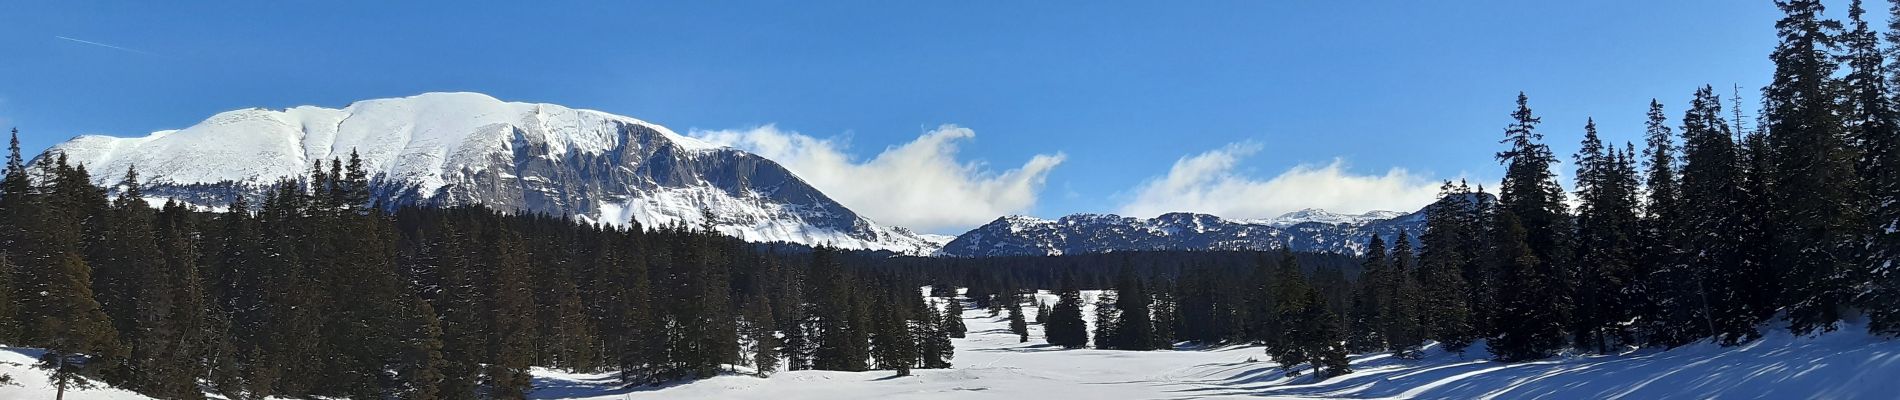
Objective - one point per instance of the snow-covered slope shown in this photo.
(1327, 217)
(990, 363)
(1307, 230)
(469, 148)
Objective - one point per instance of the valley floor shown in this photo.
(991, 363)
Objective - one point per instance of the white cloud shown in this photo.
(1209, 183)
(920, 184)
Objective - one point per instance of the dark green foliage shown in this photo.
(1107, 331)
(1017, 325)
(1451, 230)
(1312, 332)
(953, 318)
(1134, 326)
(1606, 243)
(1399, 303)
(1813, 201)
(1065, 326)
(1531, 247)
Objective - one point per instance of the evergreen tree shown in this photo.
(1166, 320)
(758, 333)
(934, 349)
(1532, 247)
(1135, 328)
(1606, 242)
(1814, 184)
(1398, 311)
(892, 343)
(1444, 308)
(1879, 167)
(419, 371)
(1106, 318)
(1016, 323)
(1730, 287)
(1064, 326)
(1364, 331)
(953, 318)
(1313, 335)
(511, 337)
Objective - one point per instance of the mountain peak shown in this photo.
(464, 148)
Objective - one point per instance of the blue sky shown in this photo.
(1139, 102)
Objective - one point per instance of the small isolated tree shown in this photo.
(1017, 325)
(953, 318)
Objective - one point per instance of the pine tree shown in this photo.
(1606, 242)
(1444, 307)
(1364, 331)
(1163, 308)
(953, 318)
(1135, 326)
(1728, 285)
(420, 369)
(758, 333)
(891, 342)
(1813, 181)
(1065, 327)
(511, 337)
(1017, 325)
(1398, 311)
(1313, 333)
(934, 349)
(1106, 318)
(1879, 168)
(1533, 247)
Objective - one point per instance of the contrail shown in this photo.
(106, 45)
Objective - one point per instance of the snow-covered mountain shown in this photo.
(1326, 217)
(1304, 230)
(468, 148)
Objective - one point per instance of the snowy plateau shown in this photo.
(447, 149)
(991, 364)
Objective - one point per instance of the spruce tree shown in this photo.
(1313, 333)
(1135, 326)
(511, 332)
(758, 333)
(934, 349)
(1065, 327)
(1017, 325)
(1879, 168)
(892, 343)
(1606, 242)
(1729, 286)
(1533, 247)
(1365, 333)
(1106, 318)
(1444, 307)
(1398, 311)
(1813, 181)
(953, 318)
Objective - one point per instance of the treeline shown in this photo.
(1708, 232)
(316, 292)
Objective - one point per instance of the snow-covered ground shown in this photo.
(990, 363)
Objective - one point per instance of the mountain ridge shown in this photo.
(463, 148)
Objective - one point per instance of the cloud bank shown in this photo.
(921, 184)
(1209, 183)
